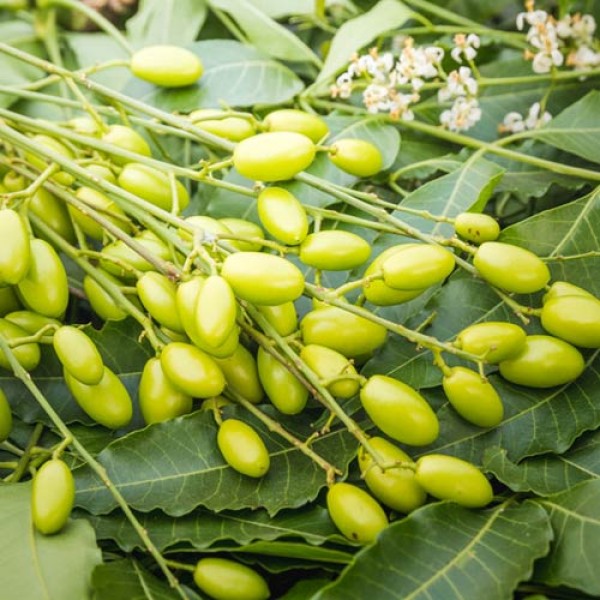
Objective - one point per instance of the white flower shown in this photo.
(415, 65)
(531, 17)
(515, 123)
(583, 58)
(376, 98)
(342, 87)
(544, 61)
(459, 83)
(580, 28)
(465, 45)
(463, 114)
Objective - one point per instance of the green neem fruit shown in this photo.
(380, 294)
(41, 163)
(244, 228)
(395, 487)
(282, 215)
(495, 340)
(5, 417)
(32, 322)
(153, 186)
(473, 398)
(334, 250)
(282, 317)
(28, 355)
(511, 268)
(159, 399)
(45, 288)
(286, 393)
(399, 411)
(357, 157)
(544, 362)
(417, 266)
(263, 278)
(243, 449)
(216, 310)
(451, 478)
(167, 66)
(52, 496)
(217, 122)
(53, 212)
(101, 301)
(14, 249)
(476, 227)
(273, 156)
(9, 301)
(126, 138)
(108, 402)
(355, 513)
(291, 119)
(192, 371)
(78, 354)
(329, 364)
(224, 579)
(562, 288)
(102, 204)
(575, 319)
(241, 374)
(158, 295)
(341, 330)
(101, 172)
(13, 182)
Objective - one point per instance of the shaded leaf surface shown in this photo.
(176, 466)
(35, 566)
(575, 517)
(446, 551)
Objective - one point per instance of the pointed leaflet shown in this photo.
(470, 186)
(264, 33)
(128, 580)
(573, 558)
(234, 75)
(176, 466)
(549, 473)
(35, 566)
(121, 351)
(203, 528)
(358, 32)
(446, 551)
(576, 128)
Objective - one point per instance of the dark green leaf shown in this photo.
(446, 551)
(231, 73)
(35, 566)
(128, 580)
(304, 589)
(575, 517)
(176, 466)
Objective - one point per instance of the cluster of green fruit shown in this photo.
(223, 285)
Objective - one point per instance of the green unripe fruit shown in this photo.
(28, 355)
(9, 302)
(284, 390)
(544, 362)
(158, 295)
(105, 207)
(244, 228)
(451, 478)
(234, 129)
(216, 310)
(355, 513)
(399, 411)
(5, 417)
(562, 288)
(395, 487)
(243, 449)
(473, 398)
(53, 212)
(14, 249)
(282, 317)
(159, 399)
(495, 340)
(282, 215)
(224, 579)
(166, 66)
(273, 156)
(476, 227)
(32, 322)
(101, 301)
(41, 163)
(78, 354)
(291, 119)
(126, 138)
(511, 268)
(263, 278)
(241, 373)
(417, 266)
(329, 364)
(108, 402)
(334, 250)
(191, 370)
(575, 319)
(52, 496)
(357, 157)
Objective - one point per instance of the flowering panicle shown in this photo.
(514, 122)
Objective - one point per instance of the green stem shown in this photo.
(100, 471)
(36, 434)
(6, 445)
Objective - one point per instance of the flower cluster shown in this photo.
(573, 36)
(514, 122)
(461, 87)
